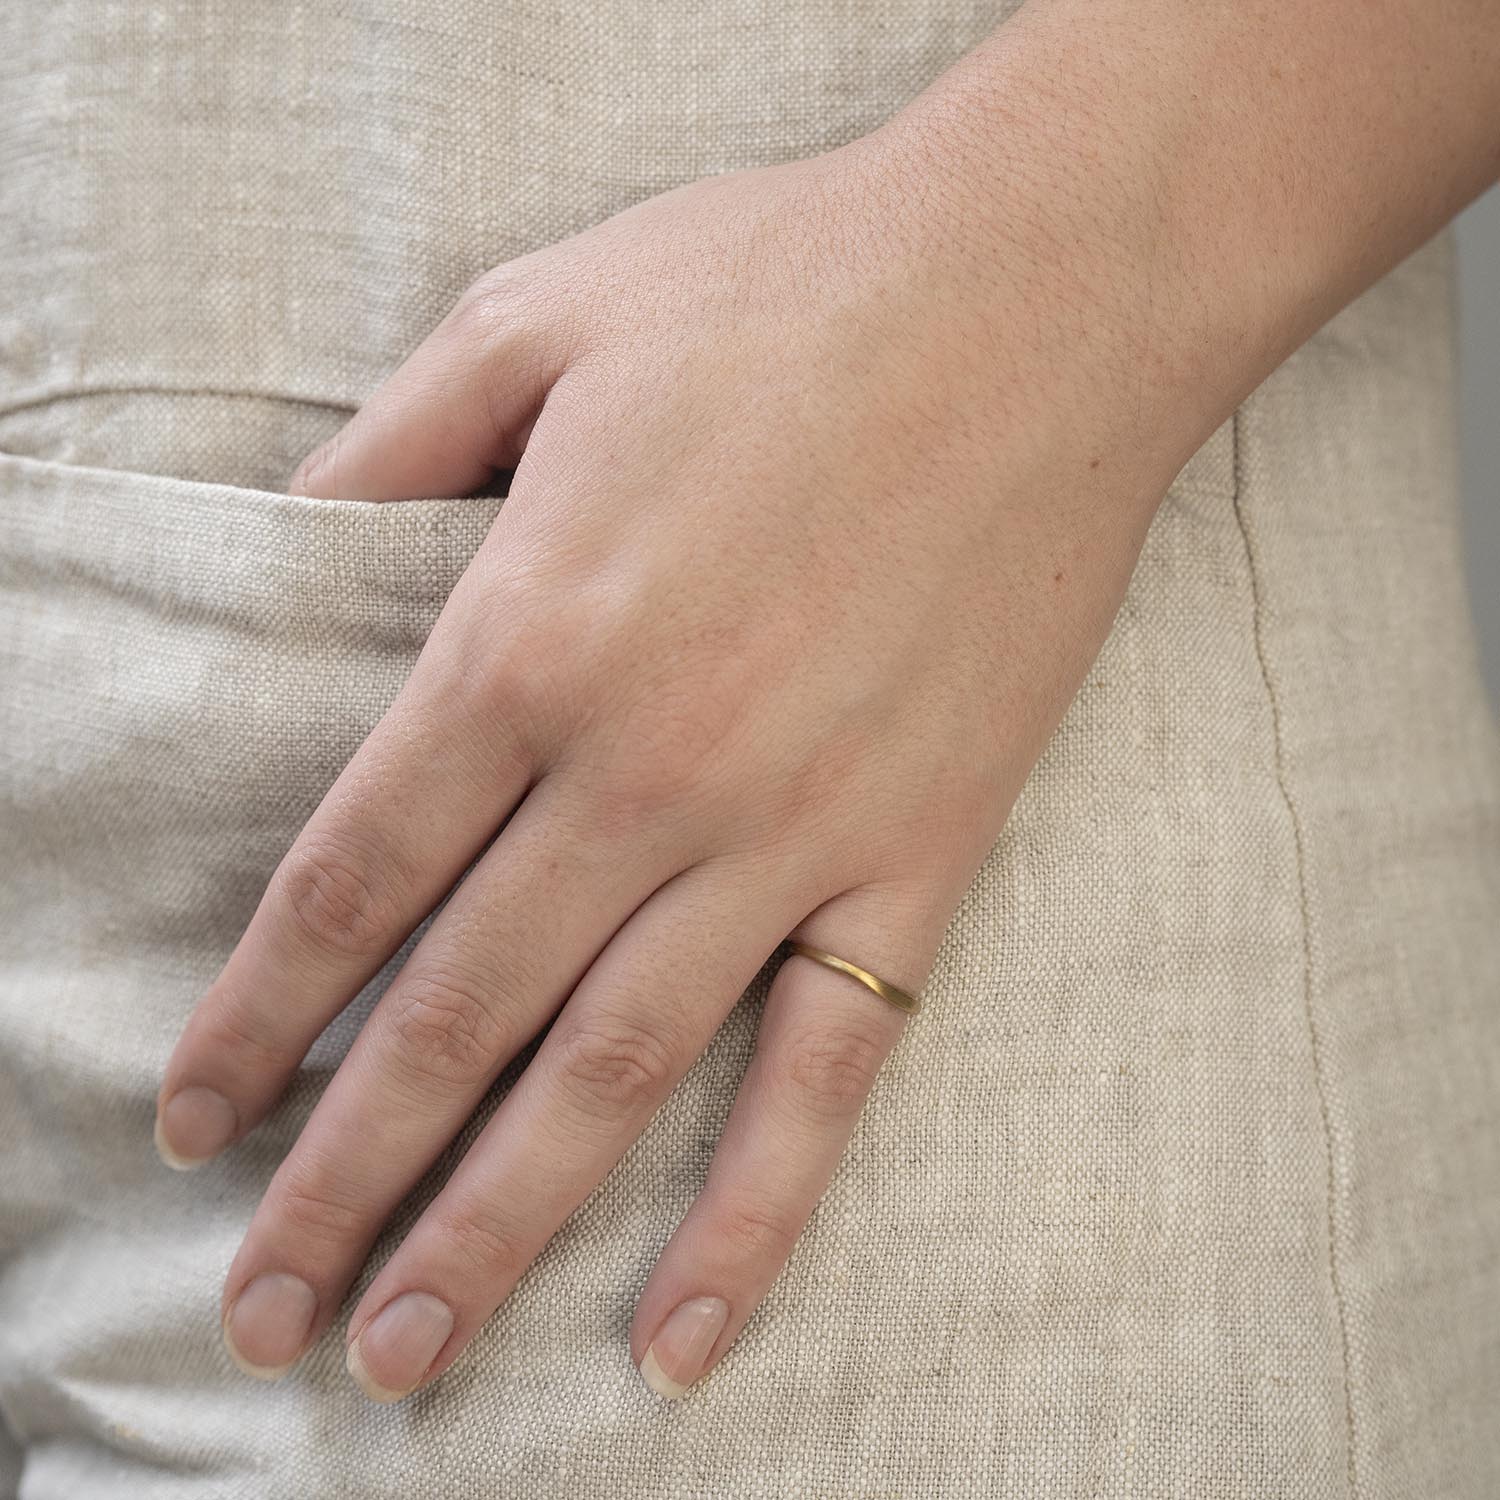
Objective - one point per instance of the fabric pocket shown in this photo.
(187, 547)
(186, 668)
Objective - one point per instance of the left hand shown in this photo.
(822, 510)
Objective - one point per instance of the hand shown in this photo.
(820, 513)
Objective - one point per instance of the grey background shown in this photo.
(1479, 363)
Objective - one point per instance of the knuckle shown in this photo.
(827, 1070)
(756, 1230)
(484, 1246)
(235, 1026)
(446, 1028)
(311, 1207)
(516, 684)
(489, 308)
(614, 1066)
(667, 778)
(648, 782)
(332, 898)
(510, 666)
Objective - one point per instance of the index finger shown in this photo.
(404, 819)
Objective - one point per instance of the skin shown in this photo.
(830, 478)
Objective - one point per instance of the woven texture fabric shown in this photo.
(1186, 1183)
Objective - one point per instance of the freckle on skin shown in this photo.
(1093, 463)
(1057, 577)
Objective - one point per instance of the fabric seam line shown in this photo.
(86, 393)
(1283, 783)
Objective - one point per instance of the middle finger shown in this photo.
(498, 961)
(648, 1006)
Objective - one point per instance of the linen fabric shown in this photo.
(1185, 1183)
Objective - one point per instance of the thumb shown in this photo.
(459, 408)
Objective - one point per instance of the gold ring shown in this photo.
(899, 998)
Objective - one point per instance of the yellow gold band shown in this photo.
(899, 998)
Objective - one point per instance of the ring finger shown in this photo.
(823, 1040)
(635, 1025)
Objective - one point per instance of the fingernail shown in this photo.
(193, 1126)
(396, 1348)
(305, 471)
(676, 1356)
(268, 1325)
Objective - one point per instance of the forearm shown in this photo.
(1189, 190)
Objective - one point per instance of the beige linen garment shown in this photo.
(1184, 1183)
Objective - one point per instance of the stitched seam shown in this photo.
(1335, 1273)
(85, 393)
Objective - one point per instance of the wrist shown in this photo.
(1015, 186)
(1200, 188)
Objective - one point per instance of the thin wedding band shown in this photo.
(899, 998)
